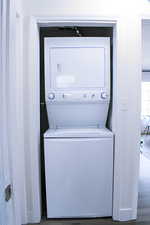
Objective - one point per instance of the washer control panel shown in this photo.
(78, 96)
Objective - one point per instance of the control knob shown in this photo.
(104, 95)
(51, 96)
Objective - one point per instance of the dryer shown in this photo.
(78, 147)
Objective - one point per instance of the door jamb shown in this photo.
(35, 23)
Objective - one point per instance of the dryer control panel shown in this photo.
(78, 96)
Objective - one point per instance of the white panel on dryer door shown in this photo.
(77, 67)
(77, 62)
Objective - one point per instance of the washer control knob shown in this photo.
(51, 96)
(104, 95)
(93, 96)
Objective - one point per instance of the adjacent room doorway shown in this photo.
(144, 172)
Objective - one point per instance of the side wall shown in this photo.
(16, 111)
(146, 45)
(146, 51)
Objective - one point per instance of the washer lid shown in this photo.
(78, 133)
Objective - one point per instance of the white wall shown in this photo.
(18, 4)
(146, 45)
(17, 89)
(20, 113)
(127, 111)
(85, 8)
(146, 76)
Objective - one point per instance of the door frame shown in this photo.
(8, 62)
(119, 213)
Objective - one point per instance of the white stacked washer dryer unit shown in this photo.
(78, 148)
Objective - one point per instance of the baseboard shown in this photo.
(126, 214)
(33, 218)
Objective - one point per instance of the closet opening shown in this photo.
(66, 31)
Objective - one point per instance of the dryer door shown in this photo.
(75, 63)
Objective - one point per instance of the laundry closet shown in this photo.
(76, 137)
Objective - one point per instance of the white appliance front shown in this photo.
(77, 63)
(77, 81)
(78, 148)
(79, 177)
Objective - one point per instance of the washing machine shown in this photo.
(78, 147)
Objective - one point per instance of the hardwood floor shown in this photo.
(90, 222)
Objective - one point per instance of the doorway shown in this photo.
(144, 173)
(126, 140)
(69, 31)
